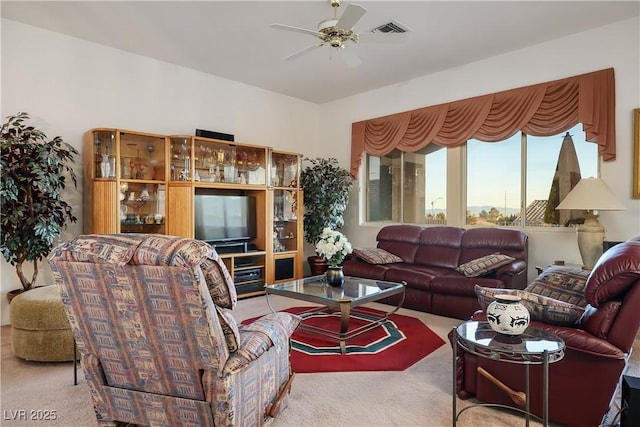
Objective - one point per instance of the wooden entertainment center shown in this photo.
(137, 182)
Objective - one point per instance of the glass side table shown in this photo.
(533, 347)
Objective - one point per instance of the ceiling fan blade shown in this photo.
(295, 29)
(351, 16)
(383, 37)
(302, 52)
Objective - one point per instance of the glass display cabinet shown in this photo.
(287, 216)
(142, 182)
(124, 182)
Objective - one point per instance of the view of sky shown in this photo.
(493, 170)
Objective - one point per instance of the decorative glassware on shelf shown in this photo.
(142, 207)
(105, 160)
(284, 169)
(219, 162)
(142, 157)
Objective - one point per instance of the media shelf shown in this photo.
(247, 270)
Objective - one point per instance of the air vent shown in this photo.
(391, 27)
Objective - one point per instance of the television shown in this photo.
(224, 218)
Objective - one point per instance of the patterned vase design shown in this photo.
(335, 276)
(507, 315)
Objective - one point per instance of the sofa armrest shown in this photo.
(513, 275)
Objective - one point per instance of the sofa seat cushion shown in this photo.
(415, 276)
(457, 284)
(358, 268)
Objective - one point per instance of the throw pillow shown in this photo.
(484, 265)
(561, 283)
(377, 256)
(541, 308)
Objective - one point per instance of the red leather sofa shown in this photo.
(583, 383)
(430, 256)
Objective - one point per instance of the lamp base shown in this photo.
(590, 240)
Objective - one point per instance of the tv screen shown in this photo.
(220, 218)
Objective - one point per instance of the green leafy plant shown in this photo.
(326, 191)
(34, 172)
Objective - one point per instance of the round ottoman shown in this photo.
(40, 330)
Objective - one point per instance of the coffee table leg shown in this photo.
(345, 312)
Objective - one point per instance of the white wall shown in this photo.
(615, 45)
(69, 86)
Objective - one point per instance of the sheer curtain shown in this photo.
(543, 109)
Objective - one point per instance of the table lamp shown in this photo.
(592, 195)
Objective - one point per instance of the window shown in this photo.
(552, 166)
(508, 183)
(407, 187)
(493, 181)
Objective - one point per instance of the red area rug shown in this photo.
(393, 346)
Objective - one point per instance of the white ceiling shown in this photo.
(231, 39)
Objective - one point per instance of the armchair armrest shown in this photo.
(584, 342)
(271, 330)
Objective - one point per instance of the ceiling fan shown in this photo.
(338, 32)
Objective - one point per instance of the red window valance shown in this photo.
(543, 109)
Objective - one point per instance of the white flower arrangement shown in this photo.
(334, 246)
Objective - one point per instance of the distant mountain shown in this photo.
(477, 209)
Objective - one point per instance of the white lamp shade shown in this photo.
(591, 194)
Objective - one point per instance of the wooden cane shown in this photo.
(518, 397)
(274, 408)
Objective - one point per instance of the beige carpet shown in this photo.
(418, 396)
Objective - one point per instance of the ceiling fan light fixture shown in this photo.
(336, 32)
(335, 42)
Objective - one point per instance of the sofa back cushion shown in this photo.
(439, 247)
(478, 242)
(400, 240)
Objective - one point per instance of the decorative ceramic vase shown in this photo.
(335, 276)
(507, 315)
(105, 167)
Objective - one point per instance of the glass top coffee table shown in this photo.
(353, 293)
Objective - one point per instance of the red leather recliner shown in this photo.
(583, 383)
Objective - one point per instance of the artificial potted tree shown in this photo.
(34, 174)
(326, 188)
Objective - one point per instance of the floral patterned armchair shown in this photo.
(151, 317)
